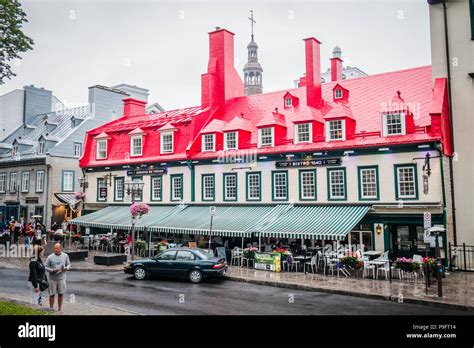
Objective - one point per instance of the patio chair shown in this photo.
(312, 264)
(384, 269)
(368, 267)
(236, 257)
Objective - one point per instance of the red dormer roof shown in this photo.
(215, 126)
(338, 110)
(272, 119)
(238, 123)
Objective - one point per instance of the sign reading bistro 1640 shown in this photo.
(309, 162)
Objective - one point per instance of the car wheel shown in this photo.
(195, 276)
(139, 273)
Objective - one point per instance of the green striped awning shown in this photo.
(316, 222)
(228, 220)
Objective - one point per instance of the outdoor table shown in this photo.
(378, 263)
(373, 253)
(302, 259)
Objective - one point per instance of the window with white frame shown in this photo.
(308, 184)
(101, 149)
(265, 136)
(156, 188)
(303, 133)
(119, 189)
(167, 142)
(253, 186)
(394, 124)
(337, 184)
(136, 145)
(208, 142)
(280, 185)
(12, 182)
(3, 182)
(338, 94)
(288, 102)
(208, 187)
(40, 181)
(406, 180)
(68, 181)
(41, 148)
(176, 187)
(230, 141)
(335, 130)
(77, 150)
(368, 183)
(25, 181)
(230, 187)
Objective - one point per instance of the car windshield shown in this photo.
(204, 254)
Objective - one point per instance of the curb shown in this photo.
(392, 297)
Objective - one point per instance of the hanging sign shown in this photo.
(309, 162)
(103, 192)
(425, 184)
(147, 171)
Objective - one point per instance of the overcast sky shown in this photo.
(163, 45)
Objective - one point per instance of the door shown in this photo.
(163, 264)
(185, 261)
(11, 213)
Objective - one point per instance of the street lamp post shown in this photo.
(133, 189)
(212, 212)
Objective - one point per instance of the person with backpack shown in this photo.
(37, 279)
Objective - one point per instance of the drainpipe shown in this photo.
(46, 208)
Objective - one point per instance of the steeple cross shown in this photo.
(252, 21)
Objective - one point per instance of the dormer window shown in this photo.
(101, 149)
(41, 148)
(136, 145)
(336, 130)
(288, 102)
(167, 142)
(266, 137)
(394, 124)
(303, 133)
(15, 150)
(230, 141)
(208, 142)
(338, 94)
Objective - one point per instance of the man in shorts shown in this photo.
(57, 264)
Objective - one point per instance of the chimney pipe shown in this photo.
(133, 107)
(336, 69)
(313, 72)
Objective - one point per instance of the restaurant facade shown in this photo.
(358, 161)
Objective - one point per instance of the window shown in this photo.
(167, 142)
(15, 150)
(68, 181)
(167, 255)
(12, 182)
(119, 189)
(101, 149)
(156, 188)
(183, 255)
(41, 148)
(138, 197)
(3, 182)
(265, 137)
(230, 187)
(368, 183)
(230, 141)
(406, 181)
(25, 181)
(208, 187)
(280, 185)
(303, 133)
(307, 184)
(394, 124)
(208, 143)
(101, 190)
(136, 144)
(254, 186)
(288, 102)
(338, 94)
(336, 184)
(335, 130)
(77, 150)
(176, 187)
(40, 181)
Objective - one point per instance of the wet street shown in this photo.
(223, 297)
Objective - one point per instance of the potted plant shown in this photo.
(431, 263)
(407, 264)
(249, 252)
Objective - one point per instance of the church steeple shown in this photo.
(252, 69)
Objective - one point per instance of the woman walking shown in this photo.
(37, 280)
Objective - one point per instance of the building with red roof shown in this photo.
(366, 149)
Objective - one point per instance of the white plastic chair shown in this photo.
(368, 267)
(312, 264)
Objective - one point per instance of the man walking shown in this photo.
(57, 265)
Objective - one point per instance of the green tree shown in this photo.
(12, 39)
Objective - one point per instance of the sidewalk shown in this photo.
(69, 308)
(458, 288)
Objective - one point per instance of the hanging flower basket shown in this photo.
(139, 209)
